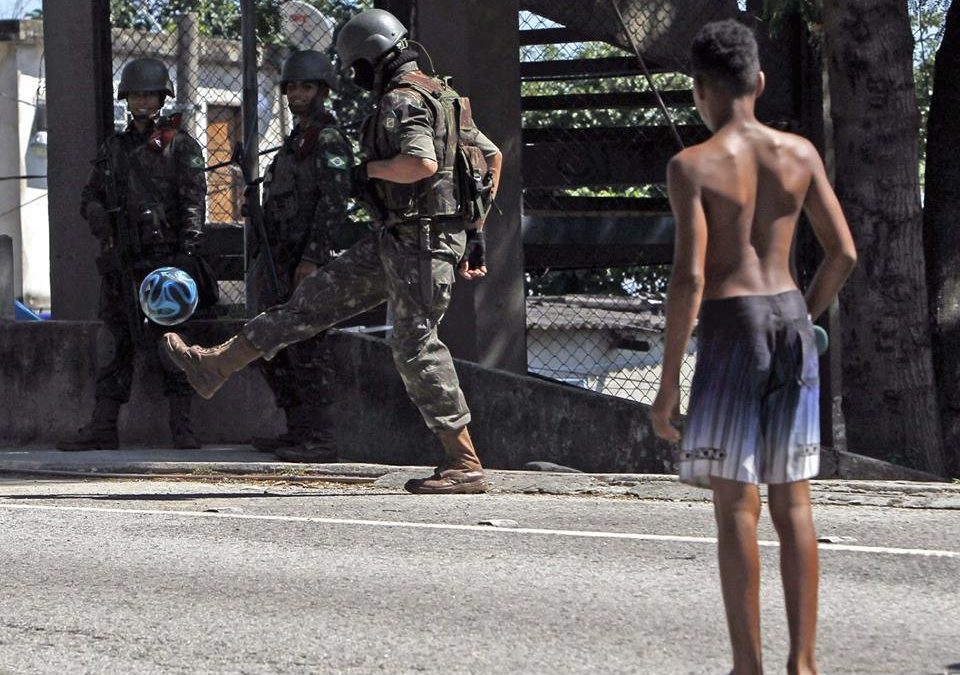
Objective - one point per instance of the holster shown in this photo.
(426, 262)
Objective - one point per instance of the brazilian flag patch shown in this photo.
(336, 161)
(196, 162)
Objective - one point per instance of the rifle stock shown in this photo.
(253, 210)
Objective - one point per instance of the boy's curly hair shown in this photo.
(724, 54)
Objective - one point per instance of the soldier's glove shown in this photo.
(475, 253)
(99, 221)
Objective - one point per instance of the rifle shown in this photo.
(232, 160)
(119, 253)
(253, 210)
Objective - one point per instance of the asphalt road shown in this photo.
(194, 577)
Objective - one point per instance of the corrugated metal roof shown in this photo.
(596, 312)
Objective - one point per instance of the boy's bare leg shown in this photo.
(800, 569)
(737, 510)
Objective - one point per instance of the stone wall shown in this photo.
(47, 374)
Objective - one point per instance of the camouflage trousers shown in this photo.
(304, 373)
(115, 355)
(384, 266)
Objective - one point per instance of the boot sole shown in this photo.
(473, 488)
(178, 352)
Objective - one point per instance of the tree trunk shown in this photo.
(941, 234)
(889, 397)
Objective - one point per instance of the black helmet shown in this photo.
(368, 36)
(308, 66)
(144, 75)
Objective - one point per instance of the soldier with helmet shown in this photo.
(427, 228)
(145, 203)
(306, 191)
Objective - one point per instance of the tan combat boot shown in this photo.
(208, 369)
(460, 473)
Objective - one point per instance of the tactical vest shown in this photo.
(151, 198)
(291, 190)
(457, 195)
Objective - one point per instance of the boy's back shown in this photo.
(753, 182)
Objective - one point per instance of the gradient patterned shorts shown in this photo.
(754, 413)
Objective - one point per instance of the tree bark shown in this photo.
(889, 396)
(941, 233)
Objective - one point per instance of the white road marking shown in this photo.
(586, 534)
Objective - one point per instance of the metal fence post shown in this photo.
(188, 71)
(6, 276)
(251, 127)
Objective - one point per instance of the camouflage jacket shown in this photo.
(167, 216)
(408, 122)
(306, 191)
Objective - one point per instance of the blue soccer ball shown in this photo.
(168, 296)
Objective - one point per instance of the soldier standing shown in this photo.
(426, 229)
(306, 191)
(144, 201)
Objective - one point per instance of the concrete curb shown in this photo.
(241, 464)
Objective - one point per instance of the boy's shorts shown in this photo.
(754, 413)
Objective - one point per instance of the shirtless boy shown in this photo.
(754, 413)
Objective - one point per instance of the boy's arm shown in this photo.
(830, 227)
(685, 291)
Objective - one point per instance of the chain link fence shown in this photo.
(202, 50)
(606, 102)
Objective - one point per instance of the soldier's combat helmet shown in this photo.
(308, 66)
(368, 36)
(144, 75)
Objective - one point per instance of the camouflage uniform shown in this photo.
(386, 266)
(306, 192)
(158, 231)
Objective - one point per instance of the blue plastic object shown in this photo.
(823, 340)
(23, 313)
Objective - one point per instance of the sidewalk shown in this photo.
(244, 463)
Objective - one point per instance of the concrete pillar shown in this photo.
(80, 113)
(188, 72)
(477, 42)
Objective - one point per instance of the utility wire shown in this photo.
(646, 74)
(20, 206)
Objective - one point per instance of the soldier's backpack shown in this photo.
(463, 182)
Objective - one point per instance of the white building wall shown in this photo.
(34, 216)
(10, 162)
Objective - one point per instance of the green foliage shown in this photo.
(928, 19)
(777, 12)
(622, 281)
(217, 18)
(611, 117)
(221, 19)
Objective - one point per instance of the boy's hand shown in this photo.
(666, 407)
